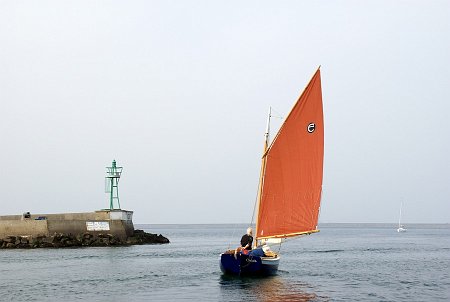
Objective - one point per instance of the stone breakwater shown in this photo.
(60, 240)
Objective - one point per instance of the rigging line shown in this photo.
(322, 193)
(278, 114)
(279, 248)
(254, 205)
(232, 236)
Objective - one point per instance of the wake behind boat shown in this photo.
(290, 185)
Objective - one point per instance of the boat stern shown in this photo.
(243, 265)
(229, 264)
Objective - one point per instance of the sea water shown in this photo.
(344, 262)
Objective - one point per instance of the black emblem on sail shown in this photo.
(311, 127)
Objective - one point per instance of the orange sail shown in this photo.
(291, 182)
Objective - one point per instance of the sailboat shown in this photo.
(401, 228)
(290, 185)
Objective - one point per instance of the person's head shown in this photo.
(249, 231)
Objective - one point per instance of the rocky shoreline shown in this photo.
(59, 240)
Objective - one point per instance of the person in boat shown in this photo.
(246, 243)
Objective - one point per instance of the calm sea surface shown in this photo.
(344, 262)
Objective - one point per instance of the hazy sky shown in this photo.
(178, 92)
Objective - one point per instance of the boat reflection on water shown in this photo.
(273, 288)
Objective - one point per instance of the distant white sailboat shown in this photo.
(401, 227)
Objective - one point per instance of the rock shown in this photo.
(10, 239)
(46, 244)
(48, 240)
(141, 237)
(59, 240)
(133, 240)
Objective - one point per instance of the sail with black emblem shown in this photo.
(292, 170)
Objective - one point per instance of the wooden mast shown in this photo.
(261, 175)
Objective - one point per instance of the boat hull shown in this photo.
(245, 265)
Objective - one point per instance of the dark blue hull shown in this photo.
(245, 265)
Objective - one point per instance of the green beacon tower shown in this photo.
(112, 185)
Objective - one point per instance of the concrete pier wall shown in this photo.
(116, 222)
(97, 215)
(23, 228)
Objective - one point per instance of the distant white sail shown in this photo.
(401, 228)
